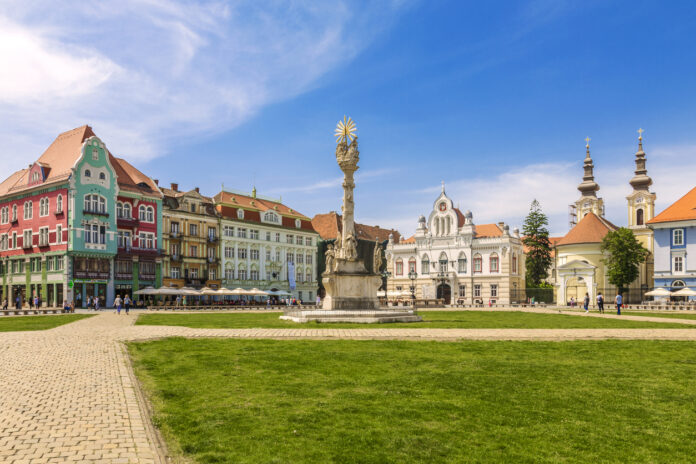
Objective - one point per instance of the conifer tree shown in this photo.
(536, 240)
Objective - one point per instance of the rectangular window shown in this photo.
(268, 236)
(277, 256)
(678, 264)
(194, 272)
(300, 258)
(241, 233)
(461, 265)
(229, 252)
(43, 236)
(241, 253)
(308, 241)
(13, 244)
(494, 264)
(254, 254)
(211, 253)
(193, 251)
(462, 291)
(124, 239)
(494, 290)
(3, 242)
(678, 237)
(59, 263)
(193, 230)
(254, 275)
(212, 232)
(290, 239)
(49, 264)
(175, 250)
(59, 234)
(212, 274)
(399, 268)
(254, 234)
(477, 264)
(268, 255)
(309, 259)
(241, 274)
(174, 227)
(290, 257)
(477, 291)
(299, 240)
(277, 237)
(176, 273)
(26, 239)
(228, 231)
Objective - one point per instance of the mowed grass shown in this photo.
(343, 401)
(672, 315)
(17, 323)
(431, 319)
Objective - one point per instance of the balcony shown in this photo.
(213, 260)
(127, 221)
(58, 212)
(91, 275)
(95, 212)
(148, 277)
(27, 246)
(124, 276)
(175, 258)
(212, 239)
(43, 243)
(175, 235)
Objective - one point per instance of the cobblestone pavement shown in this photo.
(68, 394)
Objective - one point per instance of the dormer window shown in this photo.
(270, 217)
(240, 214)
(88, 173)
(298, 223)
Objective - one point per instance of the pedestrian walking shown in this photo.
(600, 302)
(178, 300)
(619, 301)
(18, 302)
(127, 303)
(117, 304)
(4, 304)
(586, 303)
(36, 302)
(96, 303)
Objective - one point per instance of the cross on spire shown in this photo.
(587, 142)
(640, 134)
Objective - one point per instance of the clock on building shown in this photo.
(443, 206)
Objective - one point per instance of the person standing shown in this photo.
(117, 304)
(600, 302)
(36, 301)
(127, 303)
(586, 303)
(178, 300)
(18, 302)
(4, 304)
(96, 303)
(619, 301)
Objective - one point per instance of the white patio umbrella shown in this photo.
(225, 291)
(208, 291)
(278, 293)
(257, 292)
(686, 291)
(239, 291)
(167, 291)
(189, 291)
(661, 291)
(146, 291)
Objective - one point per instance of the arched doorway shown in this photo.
(444, 291)
(576, 287)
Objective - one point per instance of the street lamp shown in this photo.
(412, 275)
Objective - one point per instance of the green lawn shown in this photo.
(301, 401)
(15, 323)
(676, 315)
(432, 319)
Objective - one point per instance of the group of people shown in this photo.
(124, 303)
(618, 301)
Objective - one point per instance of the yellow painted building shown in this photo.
(191, 239)
(579, 266)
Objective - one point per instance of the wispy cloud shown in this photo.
(147, 73)
(335, 182)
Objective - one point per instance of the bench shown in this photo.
(24, 312)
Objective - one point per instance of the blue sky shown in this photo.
(494, 98)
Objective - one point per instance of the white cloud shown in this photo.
(506, 196)
(146, 73)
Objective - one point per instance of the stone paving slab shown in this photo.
(68, 394)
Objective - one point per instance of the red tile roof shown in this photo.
(590, 229)
(411, 239)
(683, 209)
(131, 179)
(328, 226)
(248, 202)
(488, 230)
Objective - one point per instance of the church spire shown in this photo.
(588, 187)
(641, 180)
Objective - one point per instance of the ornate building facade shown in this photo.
(191, 239)
(456, 260)
(59, 225)
(266, 244)
(579, 267)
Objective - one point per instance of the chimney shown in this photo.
(197, 190)
(156, 181)
(501, 225)
(175, 187)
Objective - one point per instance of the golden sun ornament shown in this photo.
(345, 130)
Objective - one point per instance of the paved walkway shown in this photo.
(68, 394)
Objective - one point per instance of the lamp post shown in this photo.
(412, 275)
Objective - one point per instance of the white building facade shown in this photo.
(455, 260)
(265, 244)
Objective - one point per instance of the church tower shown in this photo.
(641, 202)
(588, 202)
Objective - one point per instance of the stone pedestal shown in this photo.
(350, 286)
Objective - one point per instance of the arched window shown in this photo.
(461, 263)
(4, 215)
(678, 284)
(102, 176)
(443, 262)
(514, 263)
(43, 207)
(119, 210)
(412, 264)
(477, 262)
(425, 265)
(59, 204)
(88, 173)
(95, 204)
(639, 217)
(399, 267)
(494, 262)
(270, 217)
(142, 213)
(127, 211)
(150, 214)
(28, 210)
(298, 223)
(240, 214)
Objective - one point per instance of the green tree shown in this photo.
(536, 240)
(624, 254)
